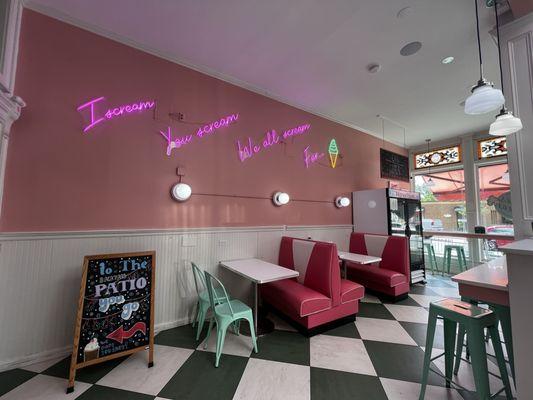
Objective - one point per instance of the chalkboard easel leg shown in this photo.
(70, 389)
(150, 364)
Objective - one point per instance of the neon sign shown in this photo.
(249, 148)
(333, 153)
(205, 130)
(311, 157)
(113, 112)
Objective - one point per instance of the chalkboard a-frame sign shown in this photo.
(115, 310)
(394, 166)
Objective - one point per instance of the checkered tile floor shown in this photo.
(377, 357)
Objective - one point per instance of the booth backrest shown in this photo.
(393, 250)
(317, 263)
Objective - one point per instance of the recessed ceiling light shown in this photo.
(410, 48)
(447, 60)
(373, 68)
(404, 12)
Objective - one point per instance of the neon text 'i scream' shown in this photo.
(125, 109)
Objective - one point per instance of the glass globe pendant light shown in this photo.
(430, 182)
(484, 97)
(506, 123)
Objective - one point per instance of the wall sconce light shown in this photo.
(280, 198)
(341, 202)
(180, 191)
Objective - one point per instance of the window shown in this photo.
(445, 156)
(493, 147)
(443, 200)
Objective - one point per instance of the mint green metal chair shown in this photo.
(461, 258)
(474, 320)
(203, 304)
(227, 313)
(431, 257)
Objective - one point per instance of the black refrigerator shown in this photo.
(393, 212)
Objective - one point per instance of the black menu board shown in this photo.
(115, 309)
(394, 166)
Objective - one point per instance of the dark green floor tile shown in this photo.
(405, 302)
(373, 310)
(288, 347)
(418, 332)
(198, 379)
(422, 289)
(182, 336)
(97, 392)
(91, 374)
(473, 395)
(328, 384)
(401, 362)
(9, 380)
(348, 330)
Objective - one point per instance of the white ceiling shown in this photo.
(313, 53)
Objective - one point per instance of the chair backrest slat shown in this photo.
(199, 279)
(211, 290)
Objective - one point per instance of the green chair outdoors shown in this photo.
(474, 320)
(225, 314)
(203, 304)
(431, 258)
(461, 258)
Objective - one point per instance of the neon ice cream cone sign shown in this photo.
(333, 153)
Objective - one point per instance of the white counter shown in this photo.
(491, 275)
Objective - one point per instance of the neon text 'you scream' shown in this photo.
(125, 109)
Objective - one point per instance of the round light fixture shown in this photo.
(410, 48)
(373, 68)
(181, 191)
(505, 124)
(342, 201)
(484, 98)
(372, 204)
(447, 60)
(280, 198)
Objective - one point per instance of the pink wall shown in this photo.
(117, 176)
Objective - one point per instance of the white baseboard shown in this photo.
(65, 351)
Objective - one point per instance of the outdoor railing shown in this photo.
(478, 248)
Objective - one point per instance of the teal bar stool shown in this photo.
(503, 314)
(474, 320)
(227, 313)
(460, 253)
(432, 259)
(203, 304)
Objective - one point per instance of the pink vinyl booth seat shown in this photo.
(392, 276)
(319, 295)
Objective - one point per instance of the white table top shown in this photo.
(259, 271)
(358, 258)
(492, 275)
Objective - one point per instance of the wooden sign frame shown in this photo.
(74, 365)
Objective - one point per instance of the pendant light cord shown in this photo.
(498, 39)
(479, 43)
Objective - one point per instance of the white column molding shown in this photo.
(517, 63)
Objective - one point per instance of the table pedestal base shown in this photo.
(264, 327)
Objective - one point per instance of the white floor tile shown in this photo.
(402, 390)
(408, 313)
(424, 300)
(370, 298)
(341, 354)
(446, 292)
(134, 375)
(240, 345)
(271, 380)
(383, 330)
(43, 387)
(43, 366)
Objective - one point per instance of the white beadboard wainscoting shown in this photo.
(40, 277)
